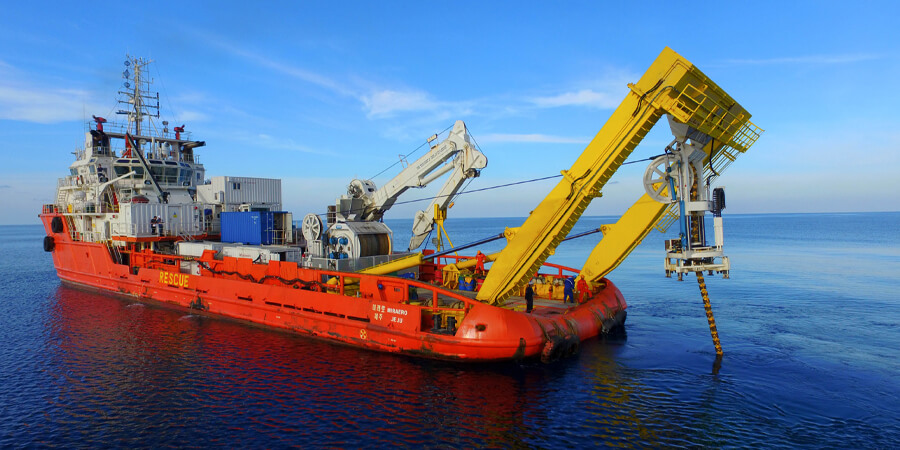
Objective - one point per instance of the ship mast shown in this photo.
(136, 95)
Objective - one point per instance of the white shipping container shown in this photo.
(235, 191)
(264, 253)
(257, 254)
(293, 254)
(196, 249)
(191, 267)
(134, 219)
(207, 193)
(182, 220)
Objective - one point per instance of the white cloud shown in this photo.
(377, 103)
(24, 99)
(539, 138)
(43, 105)
(380, 102)
(287, 69)
(386, 102)
(584, 97)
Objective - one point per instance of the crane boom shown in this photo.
(354, 227)
(467, 164)
(673, 86)
(456, 154)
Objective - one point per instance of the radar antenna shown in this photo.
(136, 95)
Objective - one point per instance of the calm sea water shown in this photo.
(808, 321)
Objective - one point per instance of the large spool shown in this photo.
(358, 240)
(374, 244)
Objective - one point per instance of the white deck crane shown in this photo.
(360, 211)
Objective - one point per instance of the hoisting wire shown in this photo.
(481, 189)
(496, 187)
(427, 238)
(408, 155)
(476, 143)
(469, 192)
(513, 183)
(463, 190)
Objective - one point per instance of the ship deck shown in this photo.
(542, 306)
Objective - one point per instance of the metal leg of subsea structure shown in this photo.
(709, 314)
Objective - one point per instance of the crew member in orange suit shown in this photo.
(583, 289)
(479, 263)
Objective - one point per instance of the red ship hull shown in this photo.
(367, 311)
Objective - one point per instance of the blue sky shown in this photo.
(317, 94)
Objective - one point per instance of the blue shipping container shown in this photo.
(248, 227)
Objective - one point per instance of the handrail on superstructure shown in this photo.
(673, 86)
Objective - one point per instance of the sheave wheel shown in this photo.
(312, 227)
(656, 178)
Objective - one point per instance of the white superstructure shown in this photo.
(139, 180)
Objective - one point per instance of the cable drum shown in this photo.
(374, 244)
(359, 239)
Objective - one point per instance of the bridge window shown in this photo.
(171, 175)
(185, 176)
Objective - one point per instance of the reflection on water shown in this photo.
(804, 365)
(134, 371)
